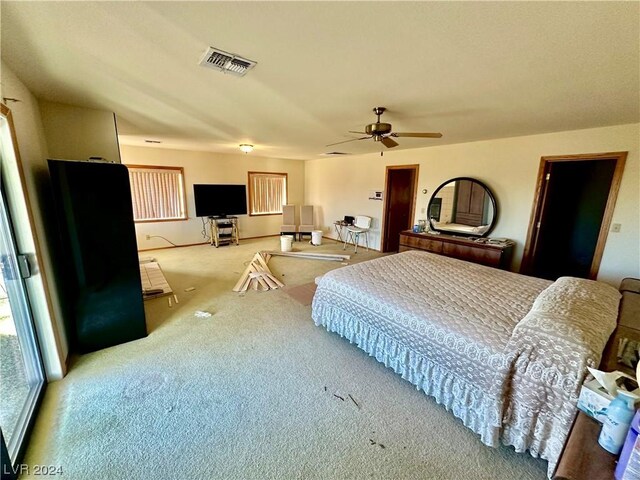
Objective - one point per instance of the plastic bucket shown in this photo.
(286, 241)
(316, 237)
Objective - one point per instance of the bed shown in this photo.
(459, 227)
(504, 352)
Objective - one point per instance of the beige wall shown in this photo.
(33, 153)
(207, 167)
(340, 186)
(446, 212)
(76, 133)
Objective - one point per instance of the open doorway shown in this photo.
(571, 216)
(401, 183)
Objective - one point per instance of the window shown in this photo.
(267, 193)
(157, 193)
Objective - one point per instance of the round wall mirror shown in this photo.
(462, 206)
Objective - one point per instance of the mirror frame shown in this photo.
(465, 234)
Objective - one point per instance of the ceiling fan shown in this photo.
(381, 132)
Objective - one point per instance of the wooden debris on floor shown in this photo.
(372, 442)
(257, 275)
(154, 284)
(333, 257)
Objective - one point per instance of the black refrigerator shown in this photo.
(101, 288)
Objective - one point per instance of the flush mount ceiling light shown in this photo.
(246, 148)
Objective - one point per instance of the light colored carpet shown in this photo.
(249, 394)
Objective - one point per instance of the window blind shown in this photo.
(268, 192)
(157, 193)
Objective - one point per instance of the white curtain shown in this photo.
(157, 194)
(268, 192)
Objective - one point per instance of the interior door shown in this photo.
(574, 200)
(400, 200)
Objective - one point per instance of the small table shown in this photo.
(339, 225)
(582, 457)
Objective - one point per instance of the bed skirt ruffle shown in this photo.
(476, 408)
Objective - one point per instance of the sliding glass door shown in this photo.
(21, 371)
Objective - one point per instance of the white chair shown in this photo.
(360, 226)
(288, 226)
(306, 221)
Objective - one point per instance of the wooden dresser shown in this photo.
(496, 255)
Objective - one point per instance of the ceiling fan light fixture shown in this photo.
(382, 132)
(246, 148)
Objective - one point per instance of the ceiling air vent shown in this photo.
(226, 62)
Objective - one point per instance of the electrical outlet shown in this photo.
(148, 237)
(615, 228)
(423, 210)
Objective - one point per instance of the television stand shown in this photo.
(224, 230)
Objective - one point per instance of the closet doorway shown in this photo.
(401, 184)
(573, 205)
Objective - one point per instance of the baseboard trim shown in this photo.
(246, 238)
(202, 243)
(172, 246)
(351, 243)
(260, 236)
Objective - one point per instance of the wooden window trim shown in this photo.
(286, 181)
(185, 216)
(183, 219)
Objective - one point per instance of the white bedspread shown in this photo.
(455, 330)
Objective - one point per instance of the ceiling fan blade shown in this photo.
(347, 141)
(417, 134)
(361, 133)
(389, 142)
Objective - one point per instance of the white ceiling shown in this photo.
(471, 70)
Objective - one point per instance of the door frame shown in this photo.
(539, 199)
(15, 446)
(385, 206)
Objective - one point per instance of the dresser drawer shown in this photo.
(484, 256)
(427, 244)
(492, 254)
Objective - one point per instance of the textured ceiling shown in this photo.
(471, 70)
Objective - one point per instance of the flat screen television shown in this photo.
(220, 200)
